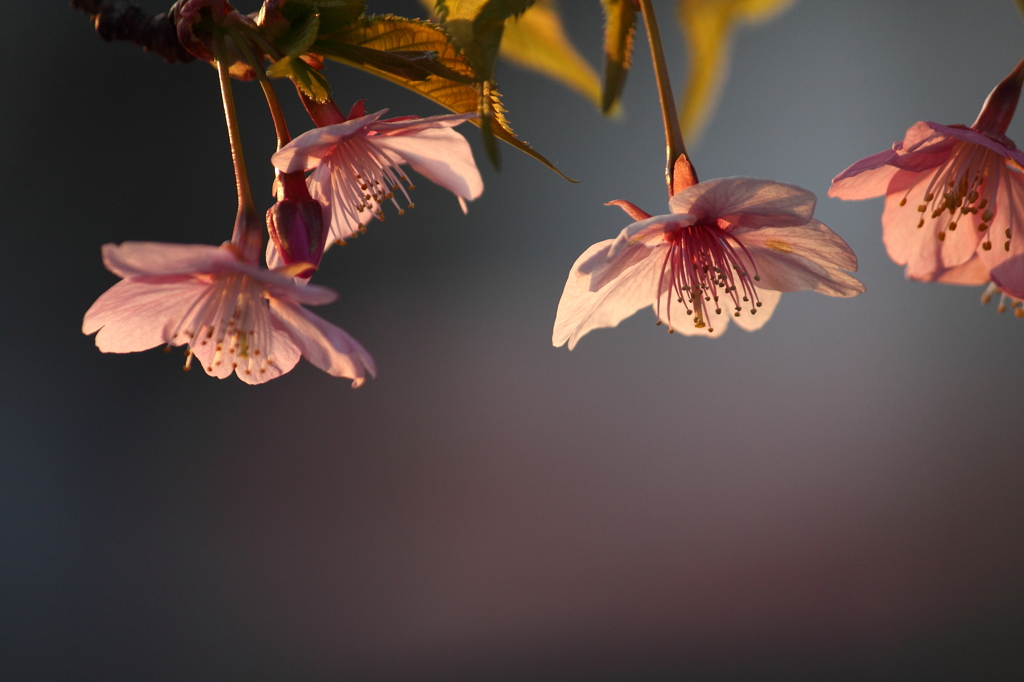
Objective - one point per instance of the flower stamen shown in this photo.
(964, 185)
(702, 266)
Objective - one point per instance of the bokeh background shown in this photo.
(837, 496)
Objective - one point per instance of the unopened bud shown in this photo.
(296, 223)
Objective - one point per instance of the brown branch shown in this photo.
(124, 20)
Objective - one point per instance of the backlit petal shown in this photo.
(323, 344)
(806, 257)
(308, 149)
(131, 259)
(134, 314)
(747, 202)
(441, 155)
(581, 310)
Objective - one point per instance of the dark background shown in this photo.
(837, 496)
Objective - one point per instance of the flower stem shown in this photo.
(280, 125)
(248, 233)
(679, 172)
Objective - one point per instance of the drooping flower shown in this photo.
(727, 250)
(357, 164)
(234, 317)
(954, 196)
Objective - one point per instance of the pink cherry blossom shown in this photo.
(356, 164)
(954, 196)
(728, 249)
(234, 317)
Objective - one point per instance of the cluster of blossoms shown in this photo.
(728, 248)
(233, 315)
(731, 246)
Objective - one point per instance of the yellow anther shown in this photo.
(942, 236)
(987, 246)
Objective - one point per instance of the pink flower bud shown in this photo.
(296, 223)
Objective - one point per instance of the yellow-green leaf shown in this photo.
(620, 27)
(537, 40)
(1020, 6)
(309, 79)
(452, 82)
(708, 26)
(476, 27)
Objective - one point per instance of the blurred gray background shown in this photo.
(837, 496)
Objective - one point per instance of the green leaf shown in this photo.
(452, 82)
(619, 30)
(408, 65)
(334, 14)
(300, 35)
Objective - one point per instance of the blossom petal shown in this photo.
(751, 323)
(648, 232)
(804, 257)
(134, 314)
(441, 155)
(1008, 225)
(747, 202)
(611, 269)
(865, 179)
(580, 310)
(308, 149)
(1009, 275)
(918, 248)
(975, 137)
(416, 124)
(131, 259)
(972, 272)
(282, 356)
(326, 346)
